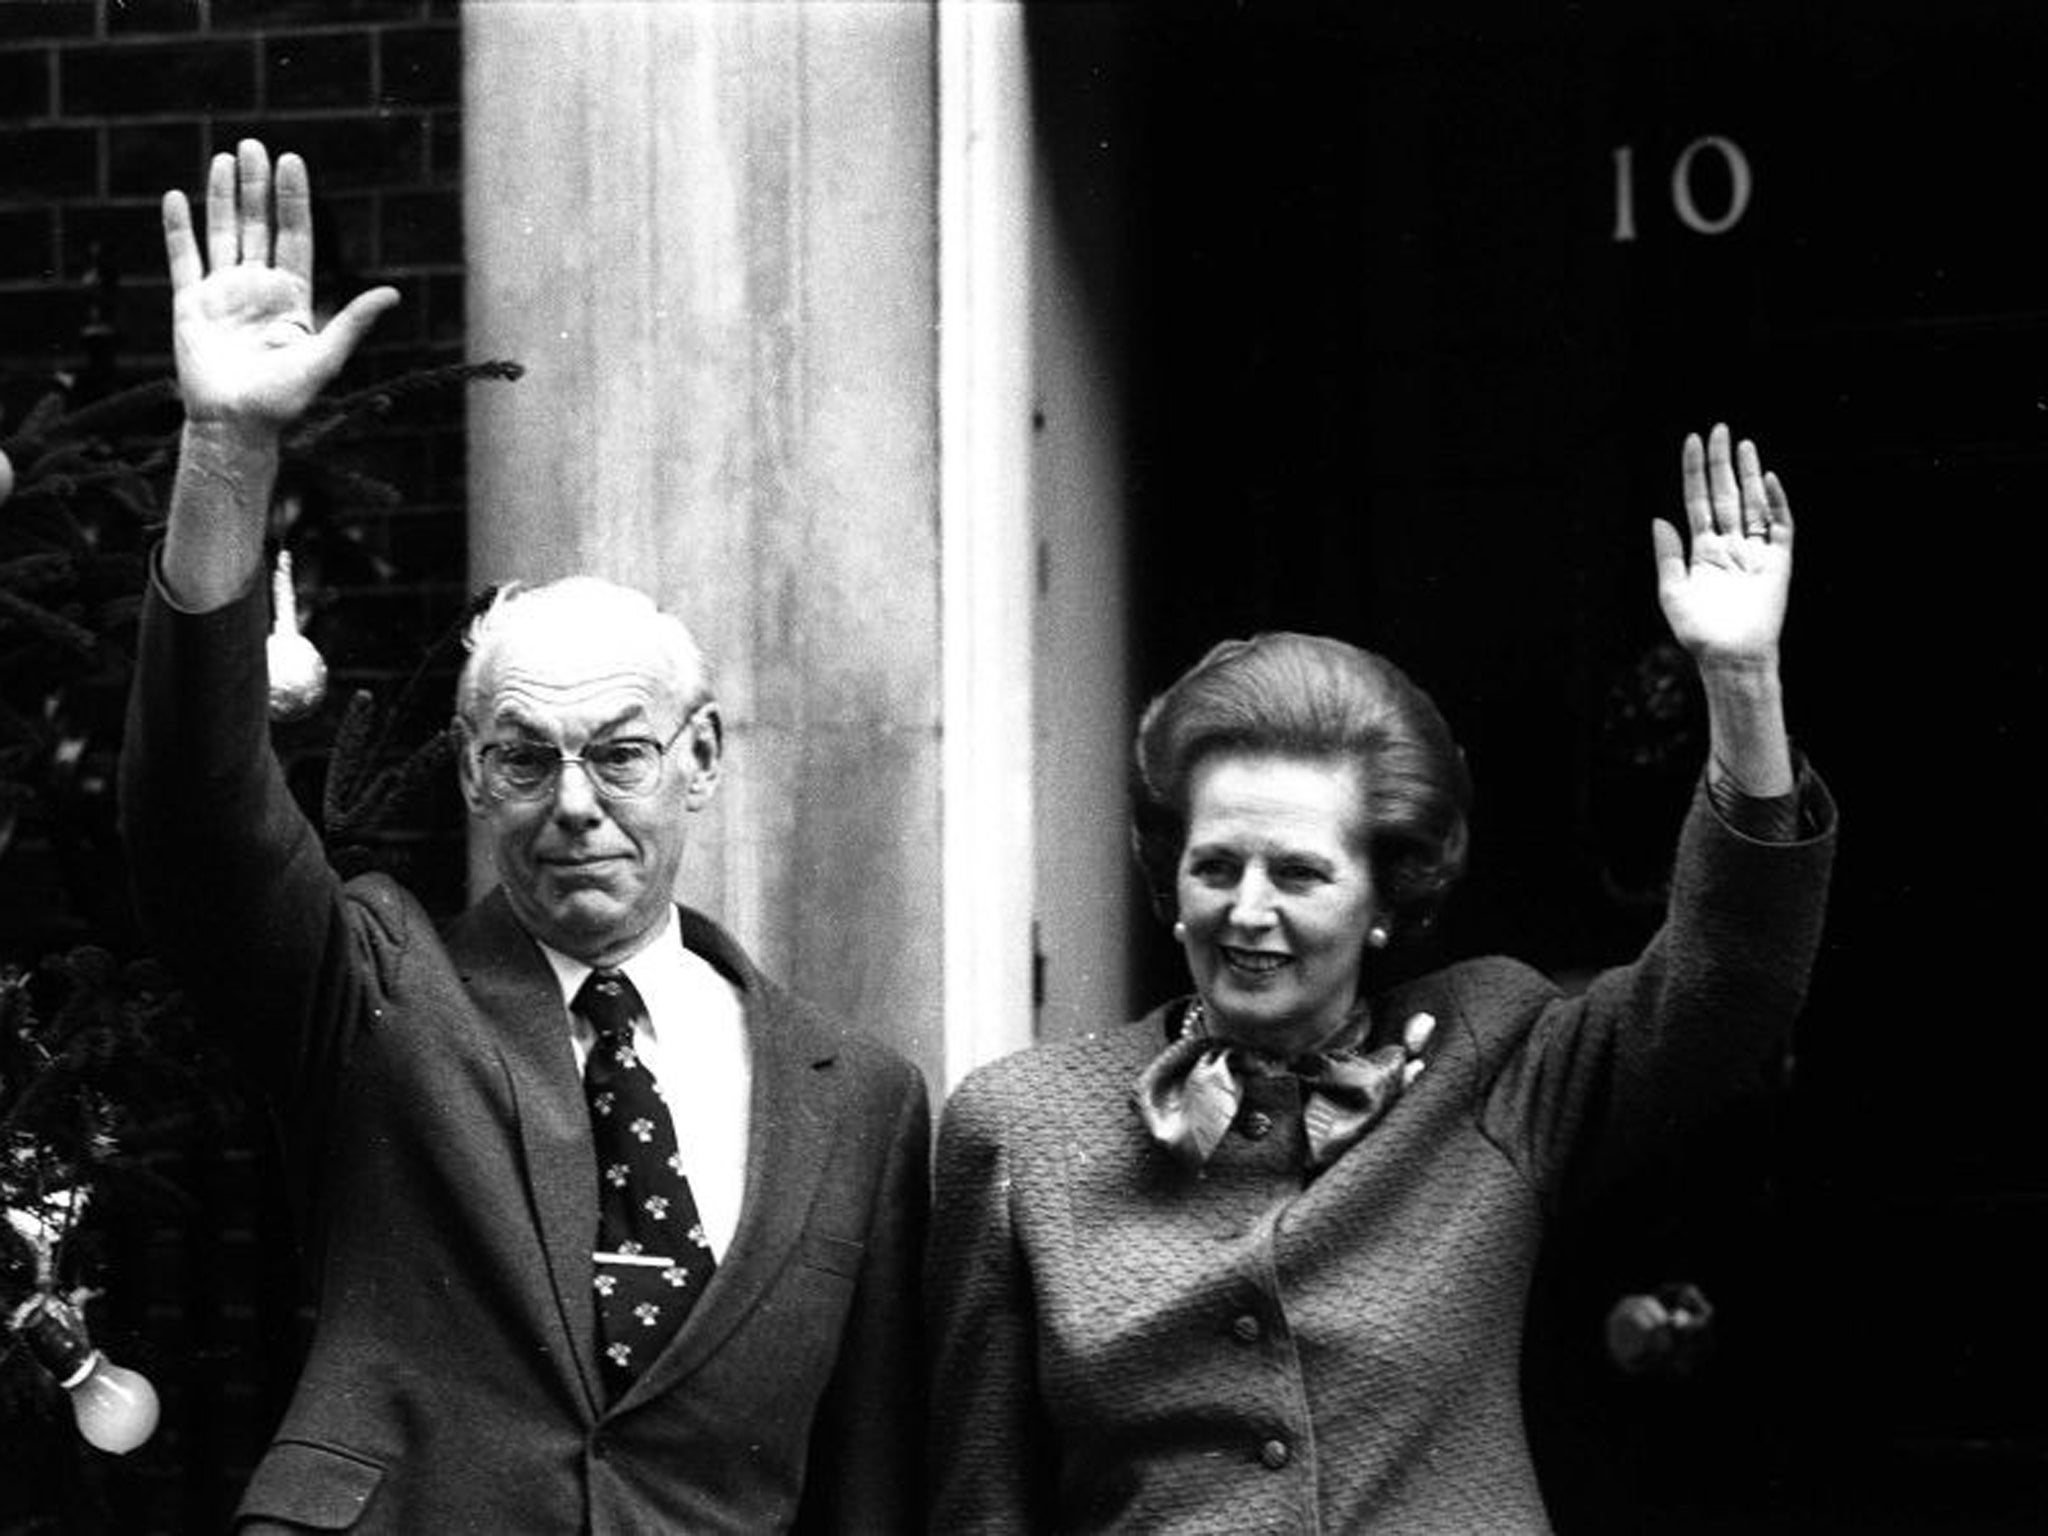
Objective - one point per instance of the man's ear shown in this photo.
(705, 736)
(467, 771)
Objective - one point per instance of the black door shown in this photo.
(1418, 300)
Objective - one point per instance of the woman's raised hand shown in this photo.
(1725, 597)
(248, 352)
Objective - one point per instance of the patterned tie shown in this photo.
(652, 1258)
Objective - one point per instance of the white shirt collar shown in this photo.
(665, 974)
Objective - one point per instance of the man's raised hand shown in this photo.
(248, 353)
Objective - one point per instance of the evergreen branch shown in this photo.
(59, 484)
(57, 461)
(19, 1116)
(13, 722)
(344, 416)
(53, 626)
(33, 573)
(137, 497)
(354, 485)
(393, 788)
(35, 427)
(354, 810)
(44, 520)
(115, 409)
(141, 1179)
(445, 654)
(347, 760)
(90, 971)
(109, 1025)
(378, 400)
(125, 569)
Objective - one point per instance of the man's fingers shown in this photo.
(349, 327)
(181, 246)
(252, 191)
(294, 219)
(223, 243)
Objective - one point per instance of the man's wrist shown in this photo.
(230, 447)
(220, 512)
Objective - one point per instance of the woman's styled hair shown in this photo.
(1309, 696)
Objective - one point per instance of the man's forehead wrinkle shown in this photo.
(523, 697)
(516, 678)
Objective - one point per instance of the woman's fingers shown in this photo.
(1721, 486)
(1699, 515)
(1779, 506)
(1756, 509)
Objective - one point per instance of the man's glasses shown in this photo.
(623, 768)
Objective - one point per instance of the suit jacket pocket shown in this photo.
(315, 1487)
(834, 1255)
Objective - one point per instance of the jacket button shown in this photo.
(1275, 1454)
(1246, 1329)
(1258, 1125)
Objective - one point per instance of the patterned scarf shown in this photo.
(1189, 1094)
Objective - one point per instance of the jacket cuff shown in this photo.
(1805, 813)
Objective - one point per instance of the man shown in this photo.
(607, 1232)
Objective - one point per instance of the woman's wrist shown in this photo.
(1750, 745)
(1740, 675)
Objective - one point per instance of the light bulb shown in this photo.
(116, 1408)
(298, 672)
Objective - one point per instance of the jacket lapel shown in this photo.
(794, 1110)
(511, 984)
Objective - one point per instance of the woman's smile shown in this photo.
(1273, 858)
(1253, 962)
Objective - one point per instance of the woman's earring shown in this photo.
(1376, 935)
(1180, 930)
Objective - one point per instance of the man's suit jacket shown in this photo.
(435, 1130)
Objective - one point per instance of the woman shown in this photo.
(1259, 1260)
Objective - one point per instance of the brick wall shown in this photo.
(103, 105)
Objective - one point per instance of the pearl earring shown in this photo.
(1180, 931)
(1376, 936)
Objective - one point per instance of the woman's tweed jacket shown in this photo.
(1120, 1344)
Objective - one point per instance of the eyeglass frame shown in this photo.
(551, 786)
